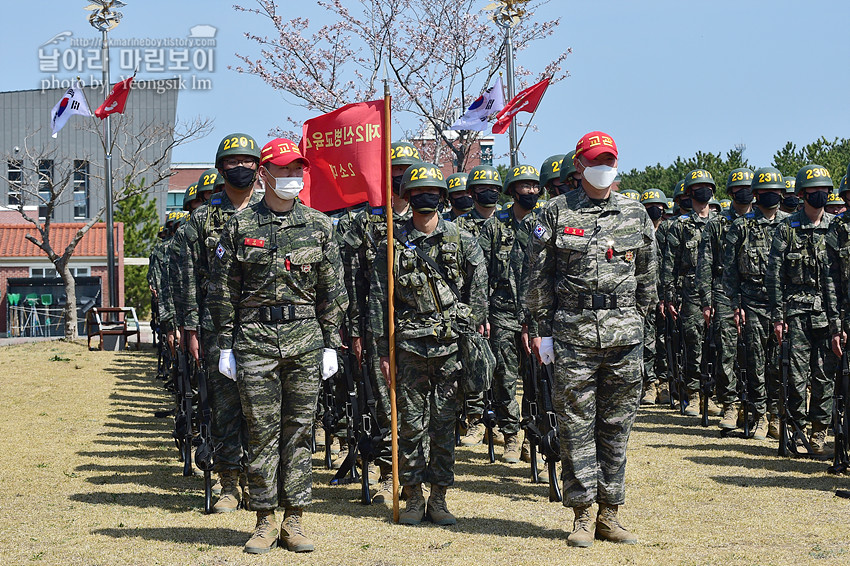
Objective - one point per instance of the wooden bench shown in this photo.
(112, 321)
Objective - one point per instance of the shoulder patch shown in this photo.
(219, 251)
(750, 215)
(503, 214)
(377, 210)
(795, 224)
(216, 201)
(539, 231)
(684, 217)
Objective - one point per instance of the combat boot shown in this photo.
(761, 430)
(265, 534)
(663, 393)
(474, 434)
(438, 512)
(292, 532)
(608, 527)
(525, 450)
(320, 437)
(583, 528)
(692, 410)
(512, 447)
(414, 512)
(713, 409)
(336, 462)
(230, 496)
(384, 495)
(650, 396)
(730, 417)
(817, 439)
(773, 426)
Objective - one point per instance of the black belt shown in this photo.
(277, 313)
(597, 302)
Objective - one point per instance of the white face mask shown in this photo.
(288, 188)
(600, 176)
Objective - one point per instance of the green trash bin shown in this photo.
(47, 302)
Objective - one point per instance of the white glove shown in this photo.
(547, 350)
(330, 364)
(227, 364)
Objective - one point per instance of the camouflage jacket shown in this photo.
(504, 246)
(746, 247)
(358, 249)
(287, 261)
(798, 277)
(177, 276)
(709, 274)
(838, 253)
(592, 274)
(428, 314)
(202, 236)
(679, 263)
(472, 222)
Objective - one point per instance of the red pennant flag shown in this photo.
(346, 152)
(114, 103)
(526, 101)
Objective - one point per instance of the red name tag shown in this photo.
(574, 231)
(255, 243)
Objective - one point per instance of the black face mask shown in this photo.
(397, 183)
(240, 177)
(487, 198)
(769, 200)
(702, 194)
(463, 203)
(686, 204)
(817, 199)
(743, 196)
(791, 202)
(527, 201)
(655, 212)
(425, 202)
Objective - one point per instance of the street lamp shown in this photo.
(104, 18)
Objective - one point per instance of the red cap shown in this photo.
(594, 144)
(281, 151)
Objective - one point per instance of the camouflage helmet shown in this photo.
(716, 203)
(813, 176)
(210, 180)
(833, 198)
(190, 195)
(679, 191)
(630, 194)
(568, 167)
(740, 177)
(842, 186)
(422, 175)
(697, 177)
(654, 196)
(768, 178)
(551, 169)
(404, 153)
(725, 204)
(456, 182)
(521, 173)
(484, 175)
(237, 144)
(790, 184)
(180, 219)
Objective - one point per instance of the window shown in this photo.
(174, 202)
(15, 175)
(81, 189)
(45, 185)
(51, 272)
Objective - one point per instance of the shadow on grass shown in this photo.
(192, 535)
(178, 503)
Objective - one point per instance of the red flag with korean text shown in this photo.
(526, 101)
(117, 99)
(346, 152)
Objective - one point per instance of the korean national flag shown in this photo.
(477, 116)
(72, 102)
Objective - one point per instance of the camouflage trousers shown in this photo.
(227, 426)
(650, 343)
(660, 362)
(726, 338)
(813, 364)
(693, 324)
(427, 407)
(762, 369)
(596, 395)
(279, 399)
(383, 452)
(506, 345)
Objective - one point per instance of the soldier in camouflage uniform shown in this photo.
(835, 204)
(550, 176)
(279, 308)
(655, 386)
(715, 303)
(237, 159)
(745, 253)
(592, 280)
(358, 250)
(678, 277)
(791, 203)
(803, 303)
(570, 178)
(459, 196)
(504, 266)
(485, 185)
(429, 315)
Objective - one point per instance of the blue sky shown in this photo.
(663, 78)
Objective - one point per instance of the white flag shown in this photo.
(475, 118)
(72, 102)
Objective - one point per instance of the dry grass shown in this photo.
(89, 476)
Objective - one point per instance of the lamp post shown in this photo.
(104, 18)
(507, 13)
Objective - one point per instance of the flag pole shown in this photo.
(532, 117)
(388, 210)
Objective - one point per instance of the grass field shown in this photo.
(89, 476)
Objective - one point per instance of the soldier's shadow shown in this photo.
(194, 535)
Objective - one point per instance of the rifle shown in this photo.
(531, 423)
(788, 439)
(488, 418)
(370, 433)
(672, 361)
(330, 418)
(462, 415)
(550, 445)
(741, 373)
(840, 459)
(183, 416)
(681, 363)
(204, 448)
(709, 356)
(352, 415)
